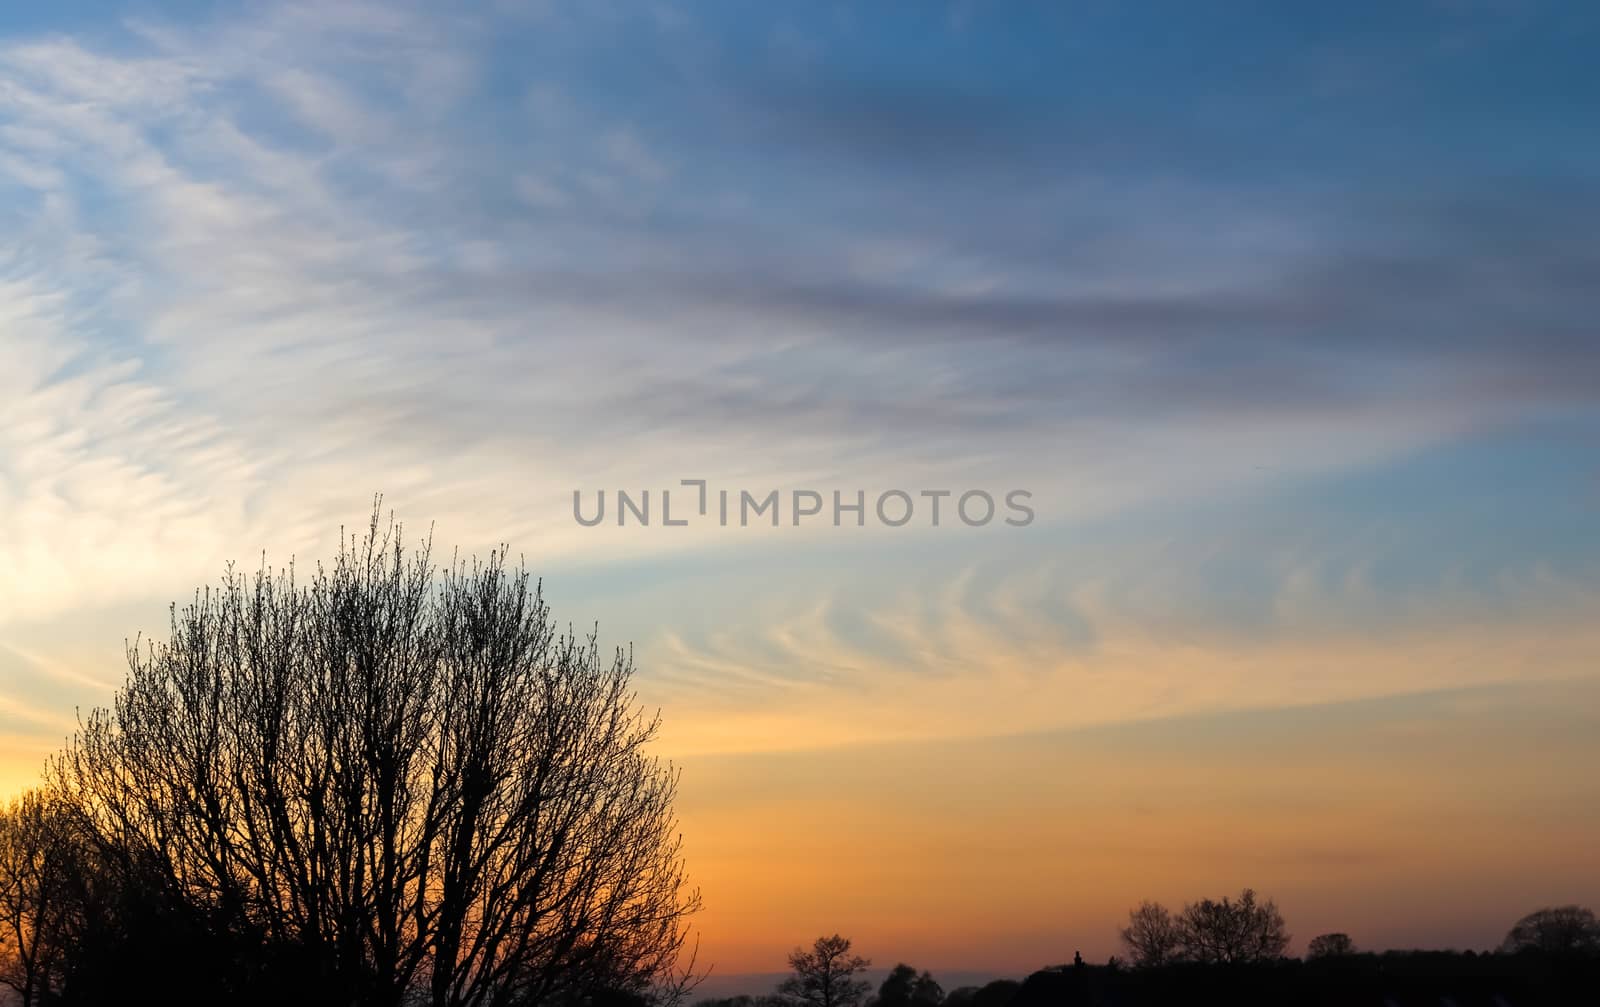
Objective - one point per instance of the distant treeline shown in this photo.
(1389, 979)
(1234, 951)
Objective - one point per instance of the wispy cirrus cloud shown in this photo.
(262, 263)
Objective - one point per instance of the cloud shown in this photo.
(1017, 635)
(260, 265)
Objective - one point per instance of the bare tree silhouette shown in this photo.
(824, 976)
(905, 987)
(1555, 930)
(1228, 931)
(36, 871)
(1333, 945)
(403, 778)
(1152, 936)
(1206, 931)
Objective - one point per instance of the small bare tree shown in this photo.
(1555, 930)
(1152, 936)
(403, 780)
(36, 871)
(904, 987)
(1206, 931)
(1229, 931)
(824, 976)
(1335, 945)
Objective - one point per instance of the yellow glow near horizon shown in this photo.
(985, 798)
(1012, 853)
(1009, 853)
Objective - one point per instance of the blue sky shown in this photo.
(1284, 316)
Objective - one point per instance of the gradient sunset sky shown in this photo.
(1285, 315)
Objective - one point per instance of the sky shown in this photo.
(1281, 321)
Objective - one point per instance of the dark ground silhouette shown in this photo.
(1233, 952)
(1391, 979)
